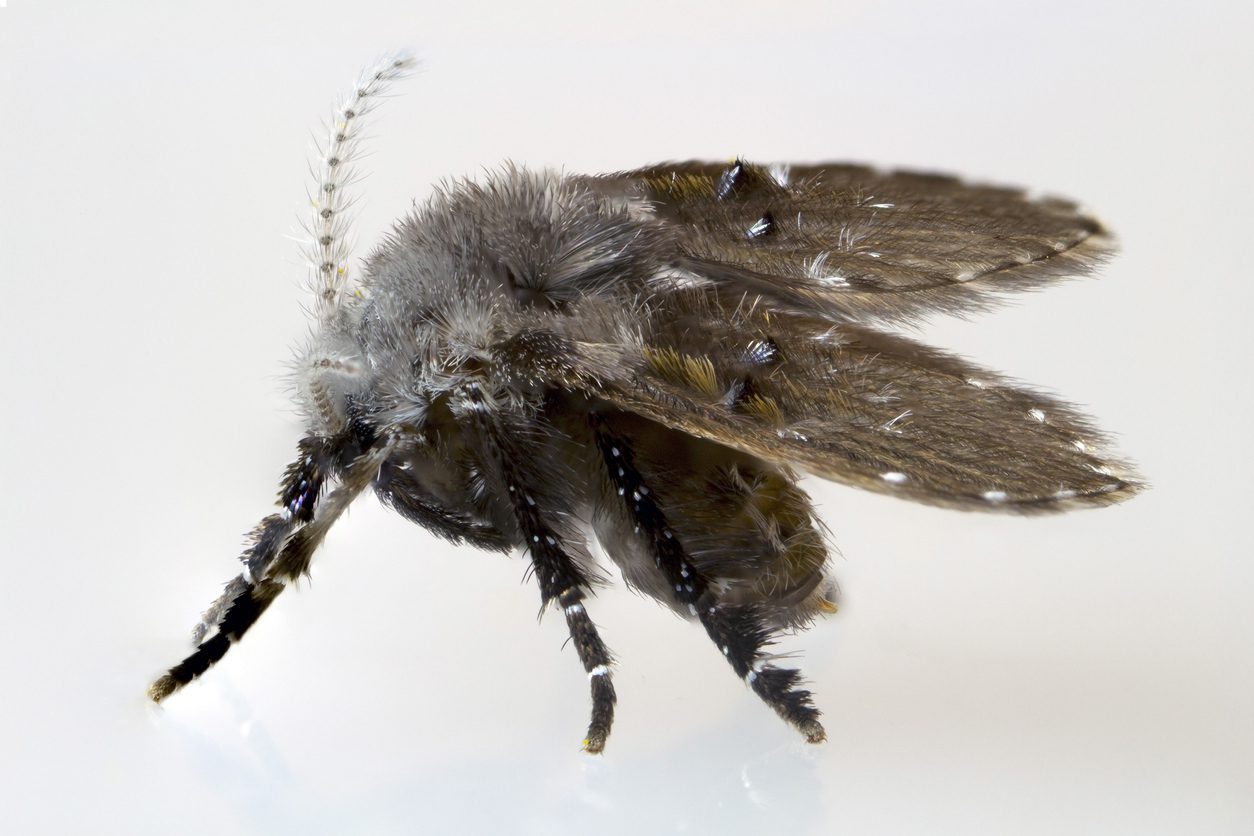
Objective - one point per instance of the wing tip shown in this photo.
(1122, 484)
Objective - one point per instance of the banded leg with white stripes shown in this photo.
(559, 576)
(281, 550)
(737, 630)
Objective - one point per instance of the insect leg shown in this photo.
(739, 630)
(400, 491)
(282, 547)
(559, 575)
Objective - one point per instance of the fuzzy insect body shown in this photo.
(649, 358)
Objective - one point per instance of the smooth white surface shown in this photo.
(1089, 673)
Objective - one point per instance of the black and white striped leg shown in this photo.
(240, 605)
(738, 631)
(559, 576)
(596, 659)
(560, 579)
(281, 549)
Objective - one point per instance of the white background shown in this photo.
(1090, 673)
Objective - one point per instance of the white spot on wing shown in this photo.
(894, 477)
(816, 269)
(760, 227)
(1038, 415)
(888, 426)
(994, 496)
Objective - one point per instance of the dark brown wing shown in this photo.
(856, 244)
(853, 405)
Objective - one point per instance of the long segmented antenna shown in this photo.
(328, 248)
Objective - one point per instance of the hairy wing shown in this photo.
(851, 404)
(853, 243)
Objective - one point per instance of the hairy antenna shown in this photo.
(328, 248)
